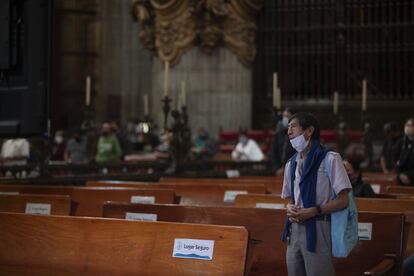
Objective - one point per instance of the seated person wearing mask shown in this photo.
(76, 148)
(247, 150)
(108, 148)
(404, 155)
(359, 187)
(204, 146)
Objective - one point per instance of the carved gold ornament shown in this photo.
(170, 27)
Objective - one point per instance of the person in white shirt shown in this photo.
(247, 150)
(15, 152)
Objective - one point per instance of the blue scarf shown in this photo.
(307, 187)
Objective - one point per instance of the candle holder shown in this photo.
(364, 117)
(337, 119)
(88, 123)
(166, 108)
(276, 116)
(181, 140)
(367, 140)
(184, 115)
(147, 118)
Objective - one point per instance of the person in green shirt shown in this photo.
(108, 148)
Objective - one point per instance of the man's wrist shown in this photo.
(318, 210)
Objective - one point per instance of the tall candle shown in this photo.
(146, 105)
(183, 93)
(178, 101)
(275, 97)
(364, 95)
(335, 102)
(279, 100)
(88, 91)
(166, 72)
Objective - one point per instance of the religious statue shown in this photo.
(170, 27)
(181, 139)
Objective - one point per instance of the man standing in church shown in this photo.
(311, 178)
(281, 148)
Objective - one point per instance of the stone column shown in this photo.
(218, 90)
(126, 66)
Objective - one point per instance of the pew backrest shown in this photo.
(382, 234)
(263, 225)
(272, 201)
(58, 245)
(394, 189)
(266, 225)
(405, 206)
(206, 194)
(273, 184)
(90, 200)
(36, 204)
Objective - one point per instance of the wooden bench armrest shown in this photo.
(383, 267)
(251, 257)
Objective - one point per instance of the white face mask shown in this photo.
(299, 143)
(58, 139)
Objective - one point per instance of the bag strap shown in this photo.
(292, 177)
(352, 205)
(328, 172)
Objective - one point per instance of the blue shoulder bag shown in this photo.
(344, 225)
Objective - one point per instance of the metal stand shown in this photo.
(88, 123)
(166, 108)
(181, 139)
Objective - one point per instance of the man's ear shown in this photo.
(309, 131)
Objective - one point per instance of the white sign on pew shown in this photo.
(270, 205)
(38, 208)
(232, 173)
(365, 231)
(9, 193)
(141, 216)
(376, 188)
(193, 249)
(143, 199)
(230, 196)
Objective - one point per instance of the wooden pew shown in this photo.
(203, 193)
(267, 225)
(405, 206)
(273, 184)
(379, 175)
(58, 245)
(400, 190)
(263, 226)
(379, 181)
(272, 201)
(384, 252)
(49, 204)
(90, 200)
